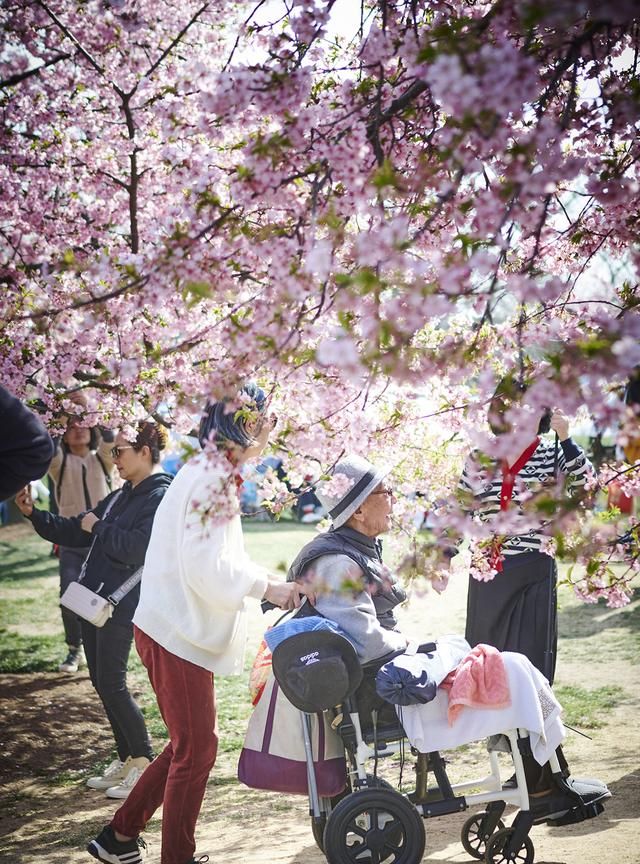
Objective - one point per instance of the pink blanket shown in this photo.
(479, 681)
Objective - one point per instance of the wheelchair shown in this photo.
(371, 822)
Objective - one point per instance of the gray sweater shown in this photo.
(340, 597)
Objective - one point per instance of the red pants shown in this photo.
(177, 778)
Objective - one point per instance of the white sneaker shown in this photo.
(122, 789)
(115, 773)
(73, 661)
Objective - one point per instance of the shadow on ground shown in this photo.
(584, 621)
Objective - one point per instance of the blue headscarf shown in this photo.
(223, 425)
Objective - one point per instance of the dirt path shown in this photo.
(50, 727)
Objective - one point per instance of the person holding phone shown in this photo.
(116, 533)
(516, 609)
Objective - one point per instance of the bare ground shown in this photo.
(52, 727)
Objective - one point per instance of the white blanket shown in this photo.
(533, 707)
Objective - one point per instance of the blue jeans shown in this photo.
(107, 651)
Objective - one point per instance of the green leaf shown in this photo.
(385, 176)
(194, 292)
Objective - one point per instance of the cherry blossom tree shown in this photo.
(377, 218)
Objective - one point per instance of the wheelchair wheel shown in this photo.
(495, 853)
(377, 826)
(474, 839)
(318, 826)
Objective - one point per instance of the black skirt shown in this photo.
(517, 610)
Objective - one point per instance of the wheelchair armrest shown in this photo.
(426, 648)
(378, 663)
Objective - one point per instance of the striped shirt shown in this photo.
(483, 485)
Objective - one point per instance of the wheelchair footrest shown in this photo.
(430, 809)
(577, 814)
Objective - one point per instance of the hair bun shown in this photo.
(163, 437)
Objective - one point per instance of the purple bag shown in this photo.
(273, 756)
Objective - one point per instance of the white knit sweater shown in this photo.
(197, 576)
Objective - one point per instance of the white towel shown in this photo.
(533, 707)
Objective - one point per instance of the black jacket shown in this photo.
(121, 539)
(25, 446)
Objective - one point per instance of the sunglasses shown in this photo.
(116, 451)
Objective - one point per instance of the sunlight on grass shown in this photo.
(588, 709)
(31, 638)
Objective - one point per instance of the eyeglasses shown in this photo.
(384, 491)
(116, 451)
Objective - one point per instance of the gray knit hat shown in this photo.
(361, 478)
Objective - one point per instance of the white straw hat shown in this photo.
(363, 477)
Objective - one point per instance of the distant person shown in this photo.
(26, 447)
(630, 450)
(118, 529)
(82, 474)
(191, 624)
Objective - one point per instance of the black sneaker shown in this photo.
(106, 848)
(574, 803)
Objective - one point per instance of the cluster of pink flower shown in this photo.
(337, 485)
(192, 194)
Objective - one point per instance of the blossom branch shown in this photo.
(12, 80)
(176, 40)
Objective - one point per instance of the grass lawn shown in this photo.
(31, 635)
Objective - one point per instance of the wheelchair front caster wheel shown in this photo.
(374, 825)
(498, 849)
(474, 837)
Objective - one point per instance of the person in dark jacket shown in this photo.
(355, 588)
(118, 530)
(26, 447)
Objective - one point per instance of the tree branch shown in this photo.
(12, 80)
(70, 36)
(134, 177)
(175, 41)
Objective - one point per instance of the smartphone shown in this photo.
(545, 422)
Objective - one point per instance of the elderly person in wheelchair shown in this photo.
(357, 593)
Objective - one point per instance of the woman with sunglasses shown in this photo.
(117, 530)
(191, 624)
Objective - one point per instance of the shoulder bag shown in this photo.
(89, 605)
